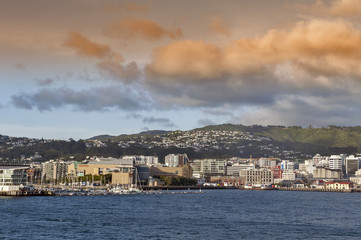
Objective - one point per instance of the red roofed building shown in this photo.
(338, 185)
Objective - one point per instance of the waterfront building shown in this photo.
(123, 179)
(356, 180)
(352, 164)
(101, 166)
(13, 178)
(335, 162)
(209, 167)
(175, 160)
(185, 171)
(255, 177)
(54, 170)
(338, 185)
(228, 180)
(235, 168)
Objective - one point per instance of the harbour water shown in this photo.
(216, 214)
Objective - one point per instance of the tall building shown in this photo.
(287, 165)
(208, 167)
(54, 170)
(175, 160)
(254, 177)
(335, 162)
(352, 164)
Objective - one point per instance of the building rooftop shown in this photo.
(13, 167)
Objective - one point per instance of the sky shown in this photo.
(81, 68)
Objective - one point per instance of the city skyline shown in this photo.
(76, 69)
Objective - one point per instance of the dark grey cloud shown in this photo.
(164, 122)
(231, 90)
(133, 116)
(205, 122)
(45, 82)
(119, 72)
(306, 110)
(20, 102)
(94, 99)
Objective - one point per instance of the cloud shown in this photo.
(133, 28)
(205, 122)
(95, 99)
(20, 102)
(318, 45)
(165, 122)
(217, 25)
(337, 8)
(305, 110)
(84, 47)
(125, 73)
(133, 116)
(127, 7)
(135, 7)
(19, 66)
(45, 82)
(308, 74)
(109, 63)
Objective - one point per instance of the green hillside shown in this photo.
(331, 136)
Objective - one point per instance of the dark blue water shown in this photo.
(217, 214)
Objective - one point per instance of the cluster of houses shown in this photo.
(124, 171)
(335, 172)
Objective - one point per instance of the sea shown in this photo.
(214, 214)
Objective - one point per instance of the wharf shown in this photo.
(20, 193)
(315, 189)
(153, 188)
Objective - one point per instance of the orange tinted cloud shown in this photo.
(129, 29)
(127, 7)
(85, 47)
(338, 8)
(316, 46)
(195, 58)
(217, 25)
(135, 7)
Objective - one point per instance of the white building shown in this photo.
(287, 165)
(267, 163)
(12, 178)
(257, 177)
(318, 159)
(335, 162)
(235, 168)
(288, 175)
(208, 167)
(142, 160)
(175, 160)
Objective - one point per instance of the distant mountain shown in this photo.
(153, 132)
(101, 137)
(149, 133)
